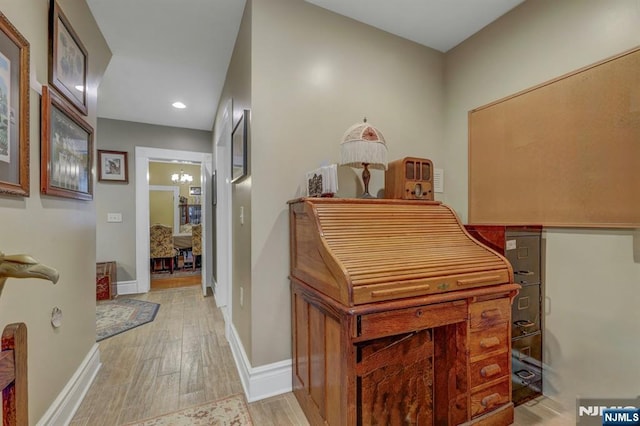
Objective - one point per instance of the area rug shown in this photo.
(231, 411)
(119, 315)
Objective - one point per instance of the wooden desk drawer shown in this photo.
(489, 369)
(490, 398)
(490, 312)
(416, 318)
(484, 342)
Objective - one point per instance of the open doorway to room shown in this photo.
(175, 217)
(144, 158)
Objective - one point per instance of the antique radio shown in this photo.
(409, 178)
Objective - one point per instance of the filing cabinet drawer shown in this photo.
(490, 312)
(490, 399)
(526, 356)
(521, 394)
(525, 311)
(490, 340)
(523, 252)
(489, 369)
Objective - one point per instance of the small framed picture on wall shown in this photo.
(113, 166)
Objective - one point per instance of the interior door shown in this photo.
(206, 167)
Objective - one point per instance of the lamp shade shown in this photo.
(363, 144)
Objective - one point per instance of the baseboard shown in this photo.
(66, 404)
(128, 287)
(260, 382)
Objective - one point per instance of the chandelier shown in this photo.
(181, 177)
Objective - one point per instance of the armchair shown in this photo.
(196, 242)
(161, 245)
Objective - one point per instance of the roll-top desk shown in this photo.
(398, 316)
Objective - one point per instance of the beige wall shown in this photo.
(117, 241)
(58, 232)
(237, 87)
(314, 74)
(161, 207)
(591, 278)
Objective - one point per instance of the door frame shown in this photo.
(224, 248)
(143, 155)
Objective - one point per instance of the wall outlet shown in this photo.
(114, 217)
(241, 297)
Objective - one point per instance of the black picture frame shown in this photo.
(14, 110)
(239, 147)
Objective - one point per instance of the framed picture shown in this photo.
(14, 110)
(66, 149)
(195, 190)
(113, 166)
(239, 147)
(67, 60)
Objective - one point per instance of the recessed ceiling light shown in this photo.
(179, 105)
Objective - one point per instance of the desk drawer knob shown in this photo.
(490, 370)
(489, 342)
(490, 400)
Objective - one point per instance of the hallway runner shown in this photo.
(230, 411)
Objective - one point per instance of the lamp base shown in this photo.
(366, 176)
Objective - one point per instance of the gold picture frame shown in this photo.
(66, 145)
(14, 110)
(67, 60)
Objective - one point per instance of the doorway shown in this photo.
(174, 202)
(143, 157)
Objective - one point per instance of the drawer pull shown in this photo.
(481, 280)
(396, 291)
(489, 342)
(524, 323)
(525, 374)
(490, 370)
(490, 400)
(491, 313)
(524, 272)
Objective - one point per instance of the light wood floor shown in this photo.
(182, 359)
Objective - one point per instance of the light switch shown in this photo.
(114, 217)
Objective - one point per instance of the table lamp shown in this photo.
(363, 146)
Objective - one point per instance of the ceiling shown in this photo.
(169, 50)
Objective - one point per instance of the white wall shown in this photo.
(591, 278)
